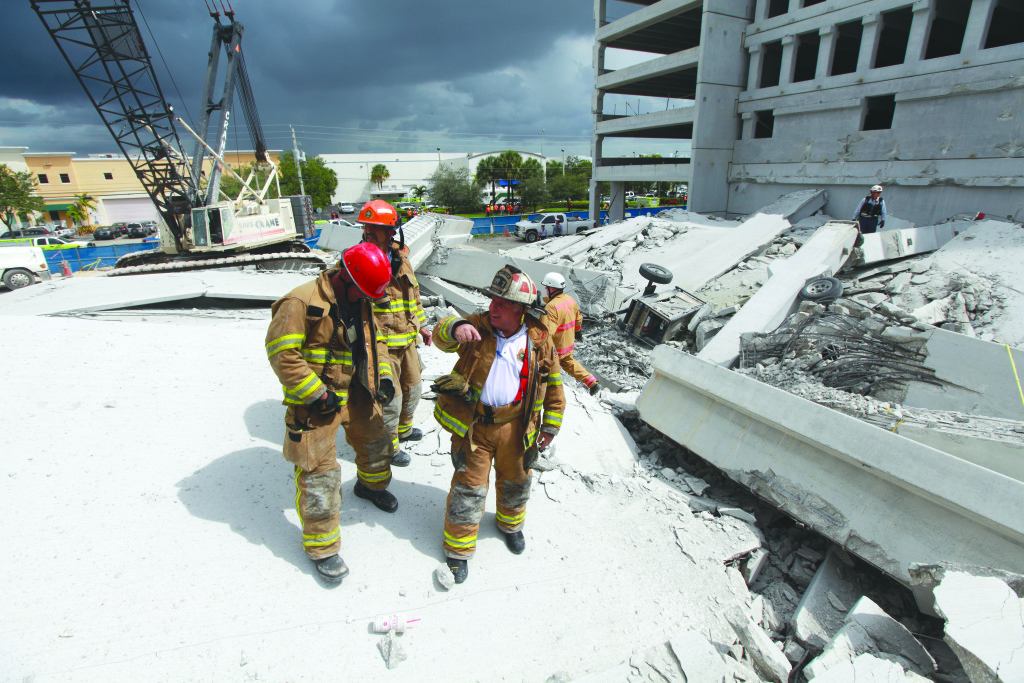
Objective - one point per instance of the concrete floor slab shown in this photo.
(837, 474)
(823, 254)
(894, 244)
(101, 293)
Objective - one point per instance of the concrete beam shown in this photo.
(893, 244)
(658, 119)
(661, 66)
(648, 16)
(464, 301)
(824, 254)
(838, 474)
(669, 173)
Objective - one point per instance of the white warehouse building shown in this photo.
(407, 171)
(924, 97)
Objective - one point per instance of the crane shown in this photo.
(103, 45)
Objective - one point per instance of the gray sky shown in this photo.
(350, 75)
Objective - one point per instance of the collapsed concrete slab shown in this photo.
(867, 668)
(893, 244)
(84, 294)
(796, 206)
(823, 254)
(984, 626)
(465, 301)
(835, 473)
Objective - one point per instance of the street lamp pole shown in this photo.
(438, 156)
(563, 162)
(542, 142)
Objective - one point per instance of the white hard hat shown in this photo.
(554, 280)
(876, 188)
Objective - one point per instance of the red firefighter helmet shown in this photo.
(379, 212)
(368, 267)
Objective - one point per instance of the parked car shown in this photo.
(347, 208)
(65, 232)
(27, 232)
(344, 223)
(136, 230)
(21, 266)
(44, 243)
(107, 232)
(120, 229)
(150, 227)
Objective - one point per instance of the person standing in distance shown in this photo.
(322, 345)
(870, 213)
(564, 323)
(502, 402)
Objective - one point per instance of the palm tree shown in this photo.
(378, 174)
(509, 167)
(419, 191)
(486, 172)
(79, 211)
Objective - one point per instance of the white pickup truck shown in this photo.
(22, 266)
(529, 230)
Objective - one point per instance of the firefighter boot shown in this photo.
(331, 568)
(460, 569)
(414, 434)
(594, 388)
(401, 459)
(515, 542)
(382, 499)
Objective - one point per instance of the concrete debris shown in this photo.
(698, 659)
(753, 565)
(391, 650)
(868, 629)
(444, 576)
(867, 668)
(768, 661)
(984, 625)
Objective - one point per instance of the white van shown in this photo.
(630, 195)
(22, 266)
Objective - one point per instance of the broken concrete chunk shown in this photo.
(867, 668)
(984, 626)
(868, 629)
(816, 620)
(698, 658)
(707, 330)
(899, 283)
(738, 513)
(753, 565)
(696, 484)
(391, 650)
(444, 576)
(769, 662)
(793, 651)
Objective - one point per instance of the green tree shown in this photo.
(487, 172)
(531, 168)
(453, 188)
(509, 168)
(419, 191)
(320, 182)
(553, 168)
(533, 191)
(79, 211)
(378, 174)
(16, 195)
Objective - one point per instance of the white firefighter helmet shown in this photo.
(513, 285)
(876, 188)
(554, 281)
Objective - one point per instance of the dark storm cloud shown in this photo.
(459, 66)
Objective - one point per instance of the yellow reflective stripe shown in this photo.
(394, 443)
(288, 341)
(402, 429)
(421, 315)
(316, 540)
(449, 421)
(530, 438)
(400, 340)
(384, 370)
(552, 418)
(396, 306)
(306, 387)
(373, 477)
(460, 542)
(511, 521)
(445, 331)
(319, 356)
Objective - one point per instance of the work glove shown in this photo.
(386, 392)
(579, 334)
(328, 403)
(881, 225)
(452, 385)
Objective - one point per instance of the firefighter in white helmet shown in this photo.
(323, 346)
(870, 213)
(502, 402)
(564, 323)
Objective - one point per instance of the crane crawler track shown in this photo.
(278, 261)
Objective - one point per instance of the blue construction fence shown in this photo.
(95, 257)
(498, 224)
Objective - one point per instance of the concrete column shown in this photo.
(826, 50)
(788, 60)
(597, 109)
(754, 74)
(977, 25)
(749, 122)
(869, 42)
(617, 205)
(761, 10)
(920, 27)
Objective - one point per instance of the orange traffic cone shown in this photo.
(65, 269)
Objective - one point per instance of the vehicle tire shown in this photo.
(655, 273)
(16, 278)
(822, 289)
(531, 236)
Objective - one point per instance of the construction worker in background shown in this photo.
(322, 345)
(564, 323)
(491, 404)
(400, 319)
(870, 213)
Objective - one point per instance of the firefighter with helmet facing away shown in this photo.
(502, 402)
(322, 344)
(564, 323)
(400, 319)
